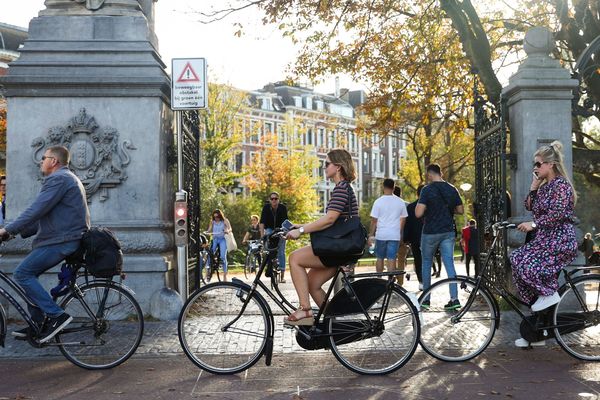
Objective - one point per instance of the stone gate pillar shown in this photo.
(539, 101)
(90, 78)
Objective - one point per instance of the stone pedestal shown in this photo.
(94, 82)
(539, 101)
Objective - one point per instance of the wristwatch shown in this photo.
(533, 225)
(301, 229)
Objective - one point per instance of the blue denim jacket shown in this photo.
(59, 214)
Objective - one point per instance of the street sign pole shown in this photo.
(189, 90)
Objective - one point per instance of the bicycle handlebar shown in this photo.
(504, 225)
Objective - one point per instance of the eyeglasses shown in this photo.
(44, 157)
(538, 164)
(274, 198)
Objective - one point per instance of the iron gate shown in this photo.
(492, 199)
(191, 184)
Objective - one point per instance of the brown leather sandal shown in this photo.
(301, 317)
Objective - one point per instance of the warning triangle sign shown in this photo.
(188, 74)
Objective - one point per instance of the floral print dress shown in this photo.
(536, 265)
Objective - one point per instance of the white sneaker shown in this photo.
(544, 302)
(520, 342)
(421, 286)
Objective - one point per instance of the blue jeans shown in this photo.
(280, 250)
(222, 243)
(429, 246)
(386, 249)
(36, 263)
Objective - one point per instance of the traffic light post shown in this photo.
(181, 241)
(180, 209)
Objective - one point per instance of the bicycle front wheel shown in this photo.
(218, 334)
(447, 338)
(107, 326)
(578, 328)
(381, 346)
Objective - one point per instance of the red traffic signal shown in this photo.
(181, 225)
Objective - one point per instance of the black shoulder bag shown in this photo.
(346, 237)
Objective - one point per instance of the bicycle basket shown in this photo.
(368, 291)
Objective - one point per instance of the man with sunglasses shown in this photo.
(58, 217)
(272, 216)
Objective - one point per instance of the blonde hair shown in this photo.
(552, 153)
(343, 159)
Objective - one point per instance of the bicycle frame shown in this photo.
(513, 301)
(21, 294)
(286, 307)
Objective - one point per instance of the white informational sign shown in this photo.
(189, 88)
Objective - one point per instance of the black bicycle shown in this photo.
(107, 325)
(459, 332)
(253, 257)
(371, 325)
(210, 261)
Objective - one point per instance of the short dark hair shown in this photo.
(398, 191)
(471, 221)
(419, 188)
(389, 183)
(435, 168)
(61, 153)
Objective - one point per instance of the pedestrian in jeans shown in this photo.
(58, 217)
(271, 217)
(438, 203)
(219, 226)
(388, 216)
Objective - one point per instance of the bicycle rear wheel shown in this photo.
(203, 334)
(450, 340)
(381, 347)
(248, 265)
(579, 329)
(107, 326)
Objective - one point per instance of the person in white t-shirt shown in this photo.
(388, 216)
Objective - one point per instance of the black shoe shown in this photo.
(21, 334)
(54, 325)
(452, 305)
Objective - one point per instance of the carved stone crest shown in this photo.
(97, 157)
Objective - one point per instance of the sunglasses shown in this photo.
(44, 157)
(328, 163)
(538, 164)
(216, 216)
(274, 198)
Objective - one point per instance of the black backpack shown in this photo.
(102, 252)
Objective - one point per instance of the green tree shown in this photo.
(286, 170)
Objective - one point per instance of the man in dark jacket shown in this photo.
(272, 216)
(59, 216)
(412, 235)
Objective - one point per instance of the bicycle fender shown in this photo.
(3, 326)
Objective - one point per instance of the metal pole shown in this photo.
(181, 195)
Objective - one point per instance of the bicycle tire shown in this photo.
(383, 351)
(202, 263)
(578, 331)
(208, 271)
(219, 267)
(455, 341)
(108, 337)
(247, 264)
(203, 317)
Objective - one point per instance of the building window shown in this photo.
(352, 141)
(365, 162)
(254, 132)
(239, 162)
(395, 166)
(281, 135)
(321, 137)
(309, 136)
(381, 162)
(322, 176)
(331, 139)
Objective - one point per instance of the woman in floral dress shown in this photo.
(551, 200)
